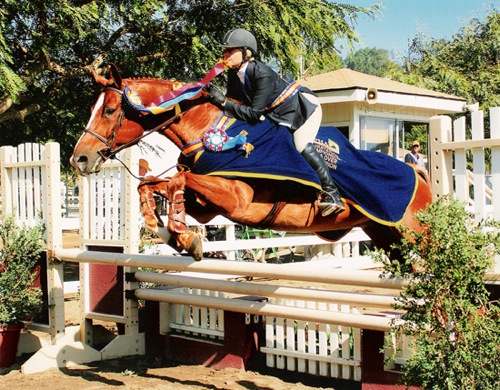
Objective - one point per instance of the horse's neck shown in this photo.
(194, 121)
(192, 124)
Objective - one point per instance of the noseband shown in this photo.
(109, 152)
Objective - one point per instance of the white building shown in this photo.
(373, 112)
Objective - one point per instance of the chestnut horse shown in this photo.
(252, 202)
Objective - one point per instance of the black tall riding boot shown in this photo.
(330, 198)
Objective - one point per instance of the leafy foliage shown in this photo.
(416, 132)
(446, 302)
(467, 65)
(20, 251)
(47, 46)
(371, 60)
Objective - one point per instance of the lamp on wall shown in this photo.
(371, 95)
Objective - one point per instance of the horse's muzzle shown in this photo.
(83, 165)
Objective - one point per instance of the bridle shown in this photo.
(109, 152)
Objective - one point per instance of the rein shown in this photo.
(109, 153)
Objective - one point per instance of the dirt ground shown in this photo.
(142, 373)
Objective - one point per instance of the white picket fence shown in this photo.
(318, 349)
(452, 154)
(196, 321)
(25, 178)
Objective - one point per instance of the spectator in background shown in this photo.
(414, 157)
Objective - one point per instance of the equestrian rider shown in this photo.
(258, 87)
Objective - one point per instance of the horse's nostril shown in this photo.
(82, 159)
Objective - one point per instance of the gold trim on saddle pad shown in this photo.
(384, 222)
(256, 175)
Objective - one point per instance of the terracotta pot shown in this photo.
(9, 337)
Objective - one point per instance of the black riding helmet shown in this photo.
(240, 37)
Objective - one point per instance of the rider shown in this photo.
(262, 92)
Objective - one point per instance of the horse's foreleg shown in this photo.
(152, 220)
(176, 235)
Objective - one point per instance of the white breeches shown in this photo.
(307, 132)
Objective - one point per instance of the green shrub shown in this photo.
(21, 248)
(456, 329)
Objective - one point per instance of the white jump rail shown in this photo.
(268, 290)
(275, 271)
(262, 308)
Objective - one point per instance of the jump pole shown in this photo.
(276, 271)
(268, 290)
(267, 309)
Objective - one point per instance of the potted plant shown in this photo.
(20, 250)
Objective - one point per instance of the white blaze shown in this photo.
(97, 107)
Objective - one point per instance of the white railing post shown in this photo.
(132, 232)
(495, 162)
(478, 166)
(52, 213)
(461, 179)
(230, 236)
(441, 162)
(6, 153)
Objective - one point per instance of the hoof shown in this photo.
(191, 242)
(196, 248)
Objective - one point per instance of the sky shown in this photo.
(400, 20)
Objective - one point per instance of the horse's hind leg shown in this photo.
(383, 237)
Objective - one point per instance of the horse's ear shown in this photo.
(115, 75)
(98, 72)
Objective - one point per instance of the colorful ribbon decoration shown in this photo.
(187, 91)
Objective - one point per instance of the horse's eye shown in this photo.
(109, 111)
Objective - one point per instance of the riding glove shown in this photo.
(215, 95)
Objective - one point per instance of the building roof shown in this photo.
(343, 79)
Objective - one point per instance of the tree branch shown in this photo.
(53, 66)
(19, 115)
(115, 36)
(150, 57)
(5, 104)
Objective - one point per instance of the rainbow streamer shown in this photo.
(187, 91)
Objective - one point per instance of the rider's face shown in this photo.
(233, 57)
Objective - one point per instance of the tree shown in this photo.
(467, 65)
(48, 47)
(371, 60)
(447, 306)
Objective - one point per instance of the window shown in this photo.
(378, 135)
(392, 136)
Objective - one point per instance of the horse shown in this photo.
(252, 202)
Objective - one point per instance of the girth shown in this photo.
(270, 218)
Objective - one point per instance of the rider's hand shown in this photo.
(215, 95)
